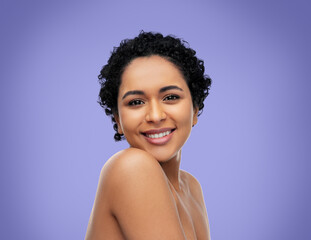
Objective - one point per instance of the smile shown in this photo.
(158, 136)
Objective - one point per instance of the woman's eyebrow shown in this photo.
(170, 88)
(134, 92)
(139, 92)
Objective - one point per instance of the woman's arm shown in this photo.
(139, 197)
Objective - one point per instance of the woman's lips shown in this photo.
(158, 136)
(160, 130)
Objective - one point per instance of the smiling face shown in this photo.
(155, 109)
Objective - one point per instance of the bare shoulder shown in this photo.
(132, 167)
(194, 184)
(197, 194)
(129, 159)
(126, 166)
(139, 196)
(194, 187)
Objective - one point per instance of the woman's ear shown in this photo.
(117, 119)
(195, 116)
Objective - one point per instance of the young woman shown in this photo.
(153, 87)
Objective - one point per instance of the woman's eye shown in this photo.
(135, 102)
(171, 97)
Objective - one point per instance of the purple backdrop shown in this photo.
(250, 149)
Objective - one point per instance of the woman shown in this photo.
(153, 87)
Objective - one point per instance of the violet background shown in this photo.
(250, 149)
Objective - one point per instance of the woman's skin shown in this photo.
(142, 193)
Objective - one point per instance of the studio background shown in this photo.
(250, 149)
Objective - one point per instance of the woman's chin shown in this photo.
(163, 156)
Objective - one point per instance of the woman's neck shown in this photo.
(171, 170)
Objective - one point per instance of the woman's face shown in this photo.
(155, 109)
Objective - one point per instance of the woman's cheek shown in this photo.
(182, 114)
(130, 118)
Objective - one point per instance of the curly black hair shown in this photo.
(145, 44)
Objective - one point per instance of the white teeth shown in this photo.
(159, 135)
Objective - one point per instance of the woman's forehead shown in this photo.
(151, 71)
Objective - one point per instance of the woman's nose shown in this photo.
(155, 113)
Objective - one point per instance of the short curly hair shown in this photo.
(146, 44)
